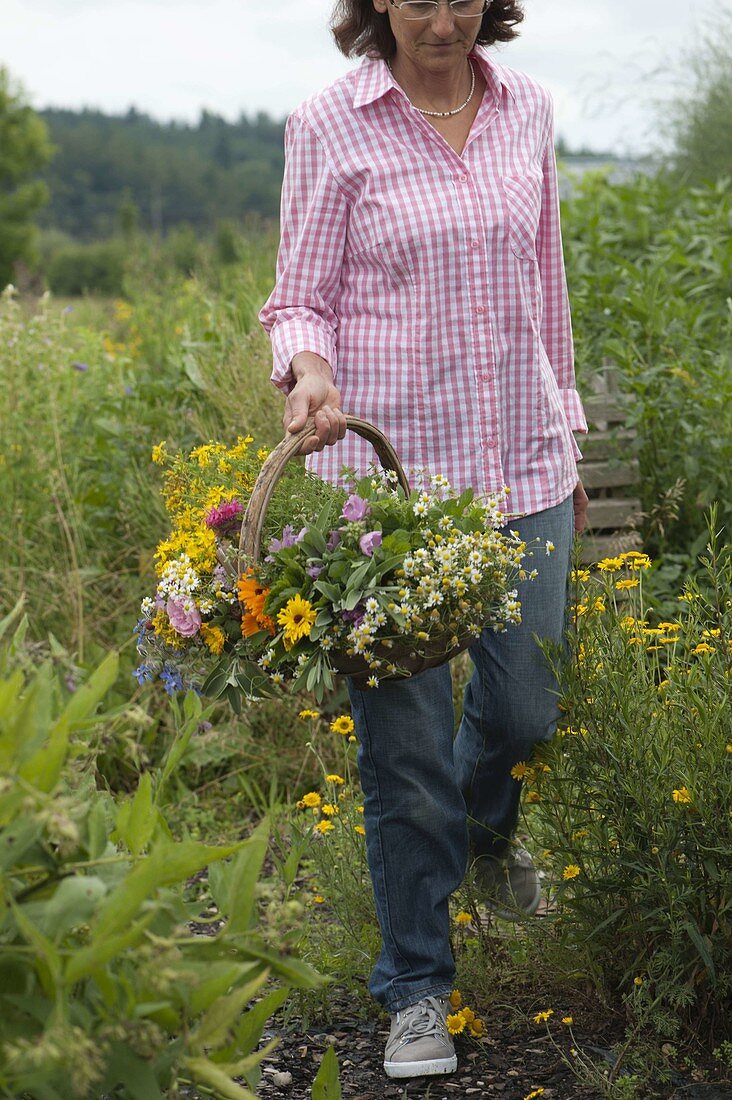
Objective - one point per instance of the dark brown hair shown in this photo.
(358, 28)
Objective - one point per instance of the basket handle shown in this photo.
(273, 467)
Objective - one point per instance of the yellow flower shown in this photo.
(359, 829)
(533, 797)
(570, 871)
(323, 827)
(476, 1028)
(522, 771)
(329, 810)
(309, 714)
(318, 899)
(311, 799)
(542, 1017)
(359, 809)
(580, 834)
(533, 1095)
(463, 918)
(159, 454)
(353, 740)
(455, 999)
(297, 618)
(455, 1023)
(628, 582)
(711, 633)
(343, 724)
(580, 574)
(682, 795)
(262, 453)
(637, 980)
(634, 559)
(214, 638)
(467, 1014)
(337, 779)
(609, 565)
(567, 1020)
(703, 647)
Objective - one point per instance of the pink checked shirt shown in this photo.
(432, 283)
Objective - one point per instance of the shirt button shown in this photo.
(475, 243)
(463, 178)
(490, 442)
(480, 310)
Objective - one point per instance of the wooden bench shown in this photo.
(609, 475)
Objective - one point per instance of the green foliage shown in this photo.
(24, 150)
(632, 798)
(700, 124)
(103, 988)
(118, 171)
(650, 270)
(326, 1085)
(77, 269)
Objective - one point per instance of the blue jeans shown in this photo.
(429, 799)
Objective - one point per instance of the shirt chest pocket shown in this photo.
(522, 199)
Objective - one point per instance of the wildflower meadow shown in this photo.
(183, 874)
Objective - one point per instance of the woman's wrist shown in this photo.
(309, 362)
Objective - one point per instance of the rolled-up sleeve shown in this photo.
(299, 314)
(556, 326)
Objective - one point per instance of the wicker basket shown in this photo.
(407, 657)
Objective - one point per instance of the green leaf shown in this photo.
(137, 817)
(701, 944)
(169, 863)
(16, 839)
(327, 1085)
(215, 683)
(216, 1077)
(233, 884)
(219, 978)
(75, 900)
(89, 959)
(249, 1029)
(43, 946)
(213, 1029)
(126, 1068)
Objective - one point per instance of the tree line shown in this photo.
(111, 173)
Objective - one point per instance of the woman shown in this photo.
(420, 285)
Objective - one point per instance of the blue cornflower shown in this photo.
(171, 680)
(143, 674)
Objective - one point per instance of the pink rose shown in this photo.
(369, 542)
(186, 623)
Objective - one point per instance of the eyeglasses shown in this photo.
(427, 9)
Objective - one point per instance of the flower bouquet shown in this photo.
(367, 578)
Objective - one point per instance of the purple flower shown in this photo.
(289, 538)
(80, 366)
(333, 540)
(369, 542)
(356, 508)
(225, 514)
(355, 616)
(314, 571)
(68, 309)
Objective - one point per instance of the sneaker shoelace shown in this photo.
(425, 1018)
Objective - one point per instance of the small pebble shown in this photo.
(281, 1079)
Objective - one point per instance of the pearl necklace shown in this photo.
(445, 114)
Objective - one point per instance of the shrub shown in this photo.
(631, 800)
(103, 986)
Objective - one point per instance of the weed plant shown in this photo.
(631, 801)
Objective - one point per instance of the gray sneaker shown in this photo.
(419, 1043)
(510, 886)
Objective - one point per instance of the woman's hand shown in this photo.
(580, 501)
(314, 394)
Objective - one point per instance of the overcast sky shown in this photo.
(606, 62)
